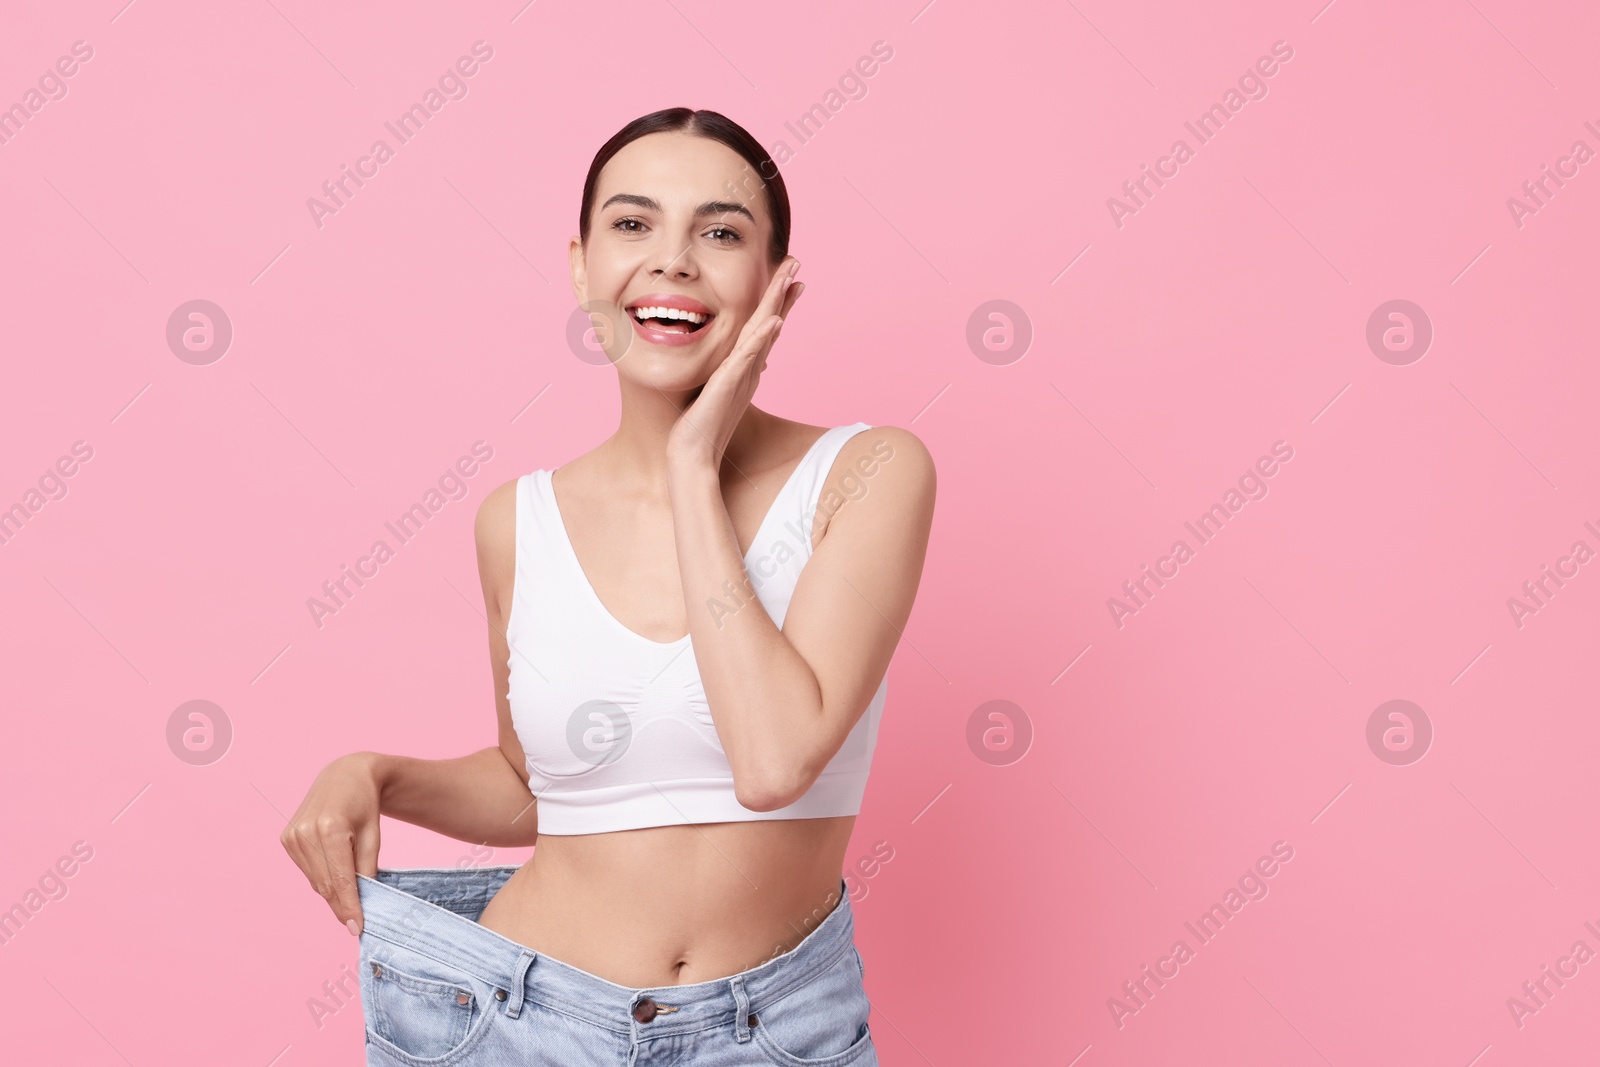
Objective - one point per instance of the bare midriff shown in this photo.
(674, 905)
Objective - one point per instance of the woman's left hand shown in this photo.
(707, 424)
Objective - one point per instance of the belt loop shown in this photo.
(519, 984)
(741, 1009)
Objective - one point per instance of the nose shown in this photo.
(675, 262)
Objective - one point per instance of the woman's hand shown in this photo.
(703, 430)
(334, 834)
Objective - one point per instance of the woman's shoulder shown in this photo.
(884, 446)
(798, 436)
(495, 535)
(888, 465)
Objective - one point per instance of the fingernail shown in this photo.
(796, 269)
(355, 928)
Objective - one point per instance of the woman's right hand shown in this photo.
(333, 835)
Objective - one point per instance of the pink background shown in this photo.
(1168, 754)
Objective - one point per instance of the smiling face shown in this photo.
(680, 233)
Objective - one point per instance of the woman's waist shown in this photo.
(675, 905)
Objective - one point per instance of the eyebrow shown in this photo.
(710, 207)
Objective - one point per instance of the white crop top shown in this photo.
(615, 727)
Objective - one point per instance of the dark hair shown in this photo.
(702, 123)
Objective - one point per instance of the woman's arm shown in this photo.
(478, 798)
(783, 701)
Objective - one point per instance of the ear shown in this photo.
(579, 272)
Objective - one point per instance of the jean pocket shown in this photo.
(418, 1011)
(822, 1023)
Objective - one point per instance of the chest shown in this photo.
(628, 557)
(597, 673)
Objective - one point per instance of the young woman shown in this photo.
(689, 629)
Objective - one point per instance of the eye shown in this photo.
(621, 224)
(732, 238)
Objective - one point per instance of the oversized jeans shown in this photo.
(438, 989)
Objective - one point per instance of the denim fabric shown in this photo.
(438, 989)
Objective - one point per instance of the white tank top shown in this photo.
(615, 727)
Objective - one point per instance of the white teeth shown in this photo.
(669, 313)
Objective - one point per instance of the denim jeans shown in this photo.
(438, 989)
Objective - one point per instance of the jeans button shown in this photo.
(752, 1021)
(645, 1010)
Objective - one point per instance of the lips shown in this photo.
(668, 314)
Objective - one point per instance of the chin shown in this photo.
(661, 364)
(661, 373)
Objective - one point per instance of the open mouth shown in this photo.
(670, 320)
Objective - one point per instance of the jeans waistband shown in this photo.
(435, 911)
